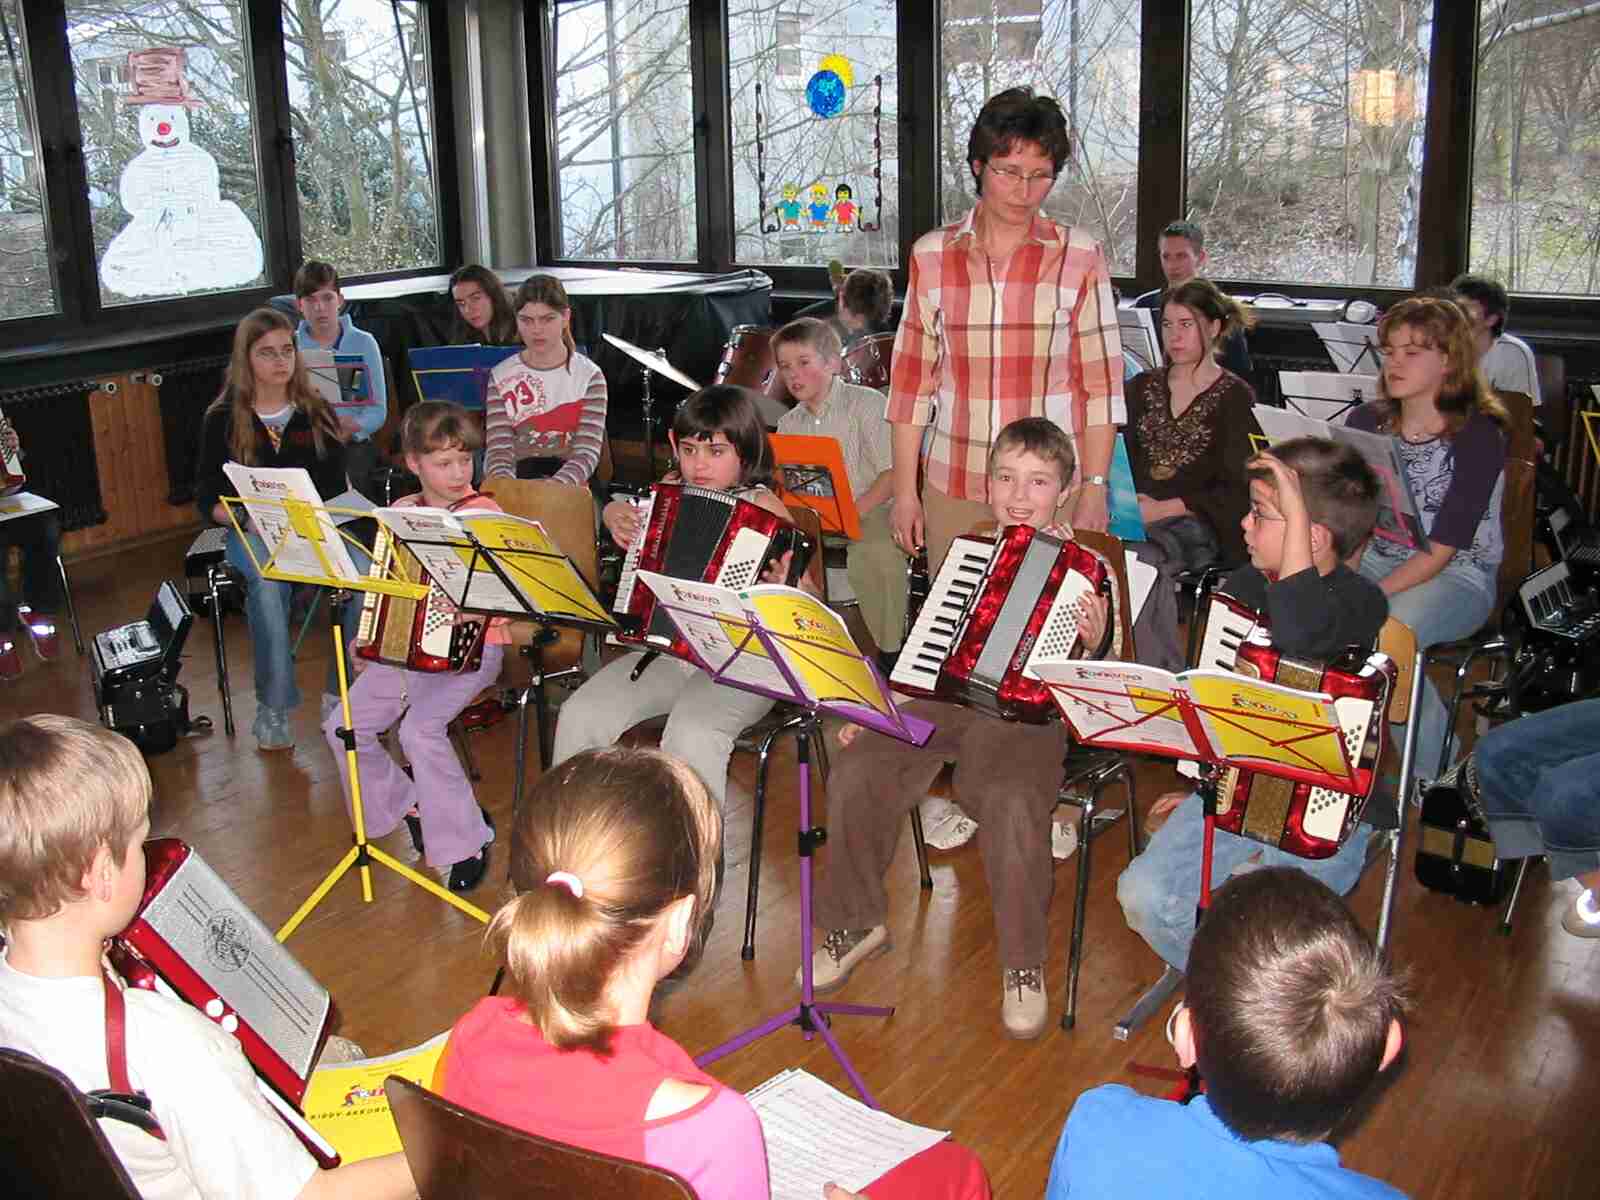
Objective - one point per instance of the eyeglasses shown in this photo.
(1257, 515)
(268, 354)
(1012, 175)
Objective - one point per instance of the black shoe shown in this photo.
(414, 828)
(469, 872)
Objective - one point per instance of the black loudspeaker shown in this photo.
(1455, 854)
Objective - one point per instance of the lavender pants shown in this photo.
(453, 828)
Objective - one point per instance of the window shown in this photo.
(816, 171)
(1535, 192)
(624, 120)
(1085, 53)
(364, 153)
(174, 188)
(1305, 138)
(27, 284)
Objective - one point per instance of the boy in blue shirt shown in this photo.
(317, 296)
(1290, 1014)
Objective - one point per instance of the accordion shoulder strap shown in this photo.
(120, 1098)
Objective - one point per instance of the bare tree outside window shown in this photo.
(624, 116)
(1304, 137)
(27, 279)
(1536, 151)
(1085, 53)
(360, 100)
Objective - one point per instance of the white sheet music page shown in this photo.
(816, 1134)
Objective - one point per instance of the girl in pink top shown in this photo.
(614, 859)
(435, 797)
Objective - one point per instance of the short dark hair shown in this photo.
(313, 276)
(1041, 437)
(1018, 115)
(1291, 1005)
(1187, 230)
(1340, 487)
(731, 411)
(431, 425)
(1490, 293)
(869, 293)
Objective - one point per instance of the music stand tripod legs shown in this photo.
(810, 1015)
(362, 854)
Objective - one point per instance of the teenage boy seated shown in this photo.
(1312, 506)
(807, 351)
(74, 813)
(1007, 775)
(317, 296)
(1290, 1014)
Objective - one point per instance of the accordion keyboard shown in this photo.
(1227, 627)
(938, 625)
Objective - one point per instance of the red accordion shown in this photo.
(1301, 818)
(420, 635)
(997, 607)
(194, 937)
(704, 536)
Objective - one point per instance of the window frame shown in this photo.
(1444, 204)
(82, 318)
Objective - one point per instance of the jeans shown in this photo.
(39, 538)
(1159, 890)
(1453, 604)
(266, 608)
(1539, 783)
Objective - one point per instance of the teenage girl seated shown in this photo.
(545, 416)
(719, 442)
(614, 861)
(483, 310)
(269, 415)
(1449, 428)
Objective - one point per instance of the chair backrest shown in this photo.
(49, 1143)
(809, 522)
(1397, 640)
(457, 1155)
(565, 511)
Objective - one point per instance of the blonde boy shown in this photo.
(74, 813)
(1007, 775)
(807, 351)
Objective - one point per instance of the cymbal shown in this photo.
(655, 362)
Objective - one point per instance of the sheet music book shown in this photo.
(341, 378)
(816, 1134)
(302, 540)
(785, 643)
(1353, 348)
(496, 563)
(459, 374)
(811, 473)
(1399, 517)
(345, 1102)
(1326, 395)
(24, 504)
(1138, 329)
(1204, 714)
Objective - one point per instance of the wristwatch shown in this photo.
(1096, 480)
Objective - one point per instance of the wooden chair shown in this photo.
(457, 1155)
(1516, 531)
(552, 652)
(50, 1141)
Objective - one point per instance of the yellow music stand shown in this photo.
(307, 525)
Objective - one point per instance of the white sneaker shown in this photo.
(840, 951)
(1583, 918)
(1063, 839)
(944, 825)
(1024, 1006)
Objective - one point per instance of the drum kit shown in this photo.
(748, 361)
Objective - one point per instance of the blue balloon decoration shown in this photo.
(825, 94)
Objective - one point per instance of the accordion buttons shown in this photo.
(230, 1023)
(214, 1008)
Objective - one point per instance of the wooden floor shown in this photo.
(1495, 1096)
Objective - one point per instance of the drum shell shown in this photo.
(867, 362)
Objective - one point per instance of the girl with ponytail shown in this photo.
(614, 861)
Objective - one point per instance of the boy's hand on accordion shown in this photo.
(622, 520)
(1091, 612)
